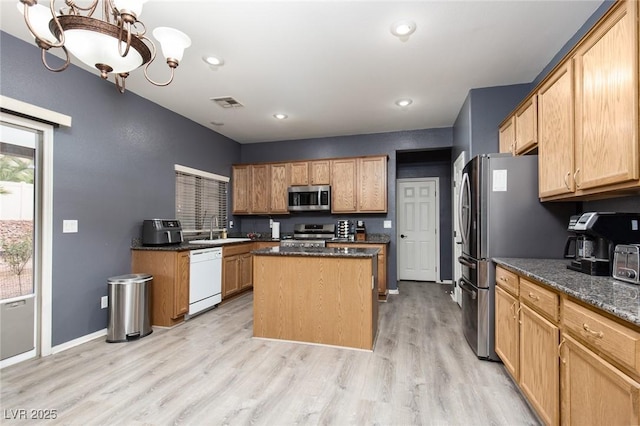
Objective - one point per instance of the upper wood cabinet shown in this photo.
(316, 172)
(358, 184)
(606, 63)
(300, 173)
(372, 184)
(279, 188)
(507, 135)
(260, 188)
(343, 185)
(320, 172)
(241, 183)
(526, 123)
(518, 134)
(555, 133)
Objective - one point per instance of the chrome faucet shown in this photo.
(211, 225)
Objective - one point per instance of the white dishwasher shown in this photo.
(205, 279)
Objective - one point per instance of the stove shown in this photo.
(302, 231)
(303, 243)
(310, 235)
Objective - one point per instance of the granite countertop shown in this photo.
(184, 246)
(613, 296)
(317, 252)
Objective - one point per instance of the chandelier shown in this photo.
(116, 44)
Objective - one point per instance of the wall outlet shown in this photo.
(270, 223)
(230, 224)
(104, 302)
(387, 224)
(69, 226)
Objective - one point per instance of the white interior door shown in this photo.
(418, 228)
(458, 165)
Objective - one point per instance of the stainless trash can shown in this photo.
(129, 307)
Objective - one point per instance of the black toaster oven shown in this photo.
(161, 232)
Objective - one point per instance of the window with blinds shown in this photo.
(201, 200)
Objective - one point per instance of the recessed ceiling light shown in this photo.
(404, 102)
(213, 60)
(280, 116)
(403, 29)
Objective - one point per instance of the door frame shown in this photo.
(437, 224)
(44, 235)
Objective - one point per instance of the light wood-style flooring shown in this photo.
(211, 371)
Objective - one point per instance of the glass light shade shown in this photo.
(134, 6)
(40, 16)
(95, 48)
(172, 41)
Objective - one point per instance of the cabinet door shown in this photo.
(260, 188)
(245, 270)
(240, 183)
(300, 173)
(607, 102)
(593, 391)
(539, 364)
(507, 136)
(372, 184)
(230, 276)
(181, 294)
(527, 126)
(279, 186)
(555, 137)
(343, 185)
(320, 172)
(506, 326)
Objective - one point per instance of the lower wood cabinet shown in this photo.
(169, 290)
(595, 392)
(382, 264)
(575, 364)
(507, 331)
(539, 369)
(237, 269)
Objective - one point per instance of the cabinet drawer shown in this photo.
(236, 249)
(545, 301)
(507, 280)
(606, 336)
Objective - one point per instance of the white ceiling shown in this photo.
(335, 68)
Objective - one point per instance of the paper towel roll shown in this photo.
(275, 230)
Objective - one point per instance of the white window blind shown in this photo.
(200, 196)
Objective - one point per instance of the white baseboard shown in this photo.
(394, 291)
(80, 340)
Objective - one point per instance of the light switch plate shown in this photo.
(387, 224)
(104, 302)
(69, 226)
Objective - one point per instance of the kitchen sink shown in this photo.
(220, 241)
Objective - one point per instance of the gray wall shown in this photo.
(112, 169)
(347, 146)
(475, 130)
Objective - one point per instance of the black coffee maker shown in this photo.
(597, 234)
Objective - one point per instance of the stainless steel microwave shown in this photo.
(309, 198)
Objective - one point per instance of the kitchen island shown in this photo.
(316, 295)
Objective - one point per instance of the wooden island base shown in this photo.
(324, 300)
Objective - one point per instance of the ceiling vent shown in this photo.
(227, 102)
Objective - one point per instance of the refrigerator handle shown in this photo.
(465, 262)
(466, 289)
(464, 187)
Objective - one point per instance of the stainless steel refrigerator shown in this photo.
(501, 216)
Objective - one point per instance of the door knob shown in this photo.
(402, 236)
